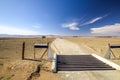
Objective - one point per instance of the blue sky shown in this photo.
(60, 17)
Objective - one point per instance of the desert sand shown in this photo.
(12, 67)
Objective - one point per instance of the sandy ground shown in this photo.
(13, 68)
(98, 45)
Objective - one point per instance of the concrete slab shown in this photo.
(90, 75)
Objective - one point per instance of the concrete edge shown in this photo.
(112, 64)
(54, 63)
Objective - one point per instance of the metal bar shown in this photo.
(115, 46)
(23, 50)
(34, 52)
(84, 66)
(114, 65)
(41, 45)
(83, 69)
(113, 54)
(43, 54)
(80, 63)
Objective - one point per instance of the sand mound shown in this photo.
(62, 46)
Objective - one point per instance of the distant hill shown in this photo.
(37, 36)
(21, 36)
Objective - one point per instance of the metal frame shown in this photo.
(110, 52)
(43, 45)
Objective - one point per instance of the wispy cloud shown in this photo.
(16, 31)
(92, 21)
(71, 26)
(108, 29)
(95, 20)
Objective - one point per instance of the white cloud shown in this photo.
(16, 31)
(108, 29)
(92, 21)
(71, 26)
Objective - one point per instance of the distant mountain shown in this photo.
(7, 35)
(4, 35)
(38, 36)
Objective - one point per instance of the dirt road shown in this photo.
(65, 47)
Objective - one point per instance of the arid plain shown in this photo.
(12, 67)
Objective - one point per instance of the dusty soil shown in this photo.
(12, 67)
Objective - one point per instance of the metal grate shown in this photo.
(80, 63)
